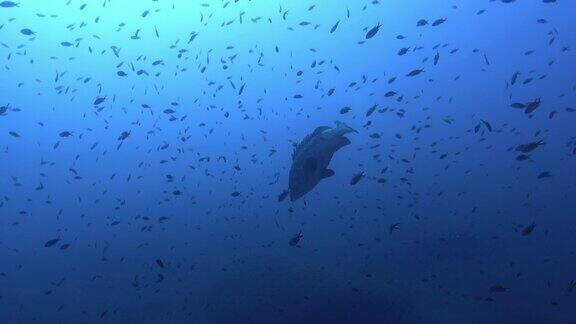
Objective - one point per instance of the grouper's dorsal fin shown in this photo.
(319, 130)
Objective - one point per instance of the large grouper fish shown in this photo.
(312, 155)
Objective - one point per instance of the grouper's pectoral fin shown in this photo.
(327, 173)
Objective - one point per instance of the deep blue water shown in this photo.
(144, 147)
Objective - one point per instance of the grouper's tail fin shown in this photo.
(344, 128)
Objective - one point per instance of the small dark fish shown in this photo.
(414, 72)
(235, 194)
(403, 51)
(27, 32)
(438, 22)
(160, 263)
(124, 135)
(422, 22)
(51, 242)
(532, 106)
(518, 105)
(498, 288)
(372, 32)
(529, 147)
(333, 29)
(393, 227)
(477, 128)
(65, 134)
(8, 4)
(370, 111)
(295, 239)
(356, 178)
(344, 110)
(487, 124)
(528, 229)
(283, 195)
(99, 100)
(544, 174)
(514, 78)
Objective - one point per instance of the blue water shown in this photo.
(144, 146)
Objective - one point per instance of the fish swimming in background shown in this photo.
(295, 239)
(8, 4)
(312, 156)
(373, 31)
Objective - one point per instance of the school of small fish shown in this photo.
(147, 149)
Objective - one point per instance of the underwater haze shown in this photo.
(288, 161)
